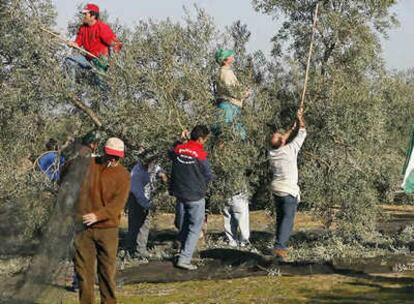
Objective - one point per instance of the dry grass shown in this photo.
(305, 289)
(259, 221)
(392, 288)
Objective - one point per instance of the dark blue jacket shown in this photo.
(190, 172)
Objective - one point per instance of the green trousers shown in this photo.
(233, 117)
(96, 246)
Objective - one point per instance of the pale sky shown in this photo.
(397, 49)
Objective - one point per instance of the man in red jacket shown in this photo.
(97, 38)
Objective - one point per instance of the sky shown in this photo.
(397, 48)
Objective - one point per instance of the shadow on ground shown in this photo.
(220, 263)
(225, 263)
(367, 288)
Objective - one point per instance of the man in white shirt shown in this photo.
(285, 189)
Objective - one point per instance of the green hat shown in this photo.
(222, 55)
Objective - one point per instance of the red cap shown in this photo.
(115, 147)
(90, 8)
(114, 152)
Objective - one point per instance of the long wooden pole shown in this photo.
(65, 41)
(315, 21)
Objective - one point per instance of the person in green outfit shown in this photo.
(230, 94)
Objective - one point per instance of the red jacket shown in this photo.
(193, 149)
(97, 39)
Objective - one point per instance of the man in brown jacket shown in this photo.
(102, 198)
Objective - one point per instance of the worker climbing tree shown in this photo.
(230, 93)
(97, 39)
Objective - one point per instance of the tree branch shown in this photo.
(81, 106)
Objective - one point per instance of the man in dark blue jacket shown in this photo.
(190, 175)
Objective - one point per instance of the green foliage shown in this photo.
(32, 109)
(346, 33)
(348, 165)
(162, 82)
(340, 165)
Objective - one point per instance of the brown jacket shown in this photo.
(104, 192)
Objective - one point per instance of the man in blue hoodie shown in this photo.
(144, 176)
(190, 175)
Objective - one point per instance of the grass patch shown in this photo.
(304, 289)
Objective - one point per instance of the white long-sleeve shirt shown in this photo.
(284, 166)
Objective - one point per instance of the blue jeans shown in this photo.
(193, 219)
(179, 215)
(236, 217)
(75, 64)
(179, 218)
(285, 217)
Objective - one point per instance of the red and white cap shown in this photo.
(115, 147)
(90, 8)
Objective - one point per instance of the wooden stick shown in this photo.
(66, 42)
(315, 20)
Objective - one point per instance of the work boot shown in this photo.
(186, 266)
(280, 253)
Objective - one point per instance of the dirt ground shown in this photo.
(270, 287)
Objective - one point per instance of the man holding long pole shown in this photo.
(285, 190)
(283, 162)
(96, 37)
